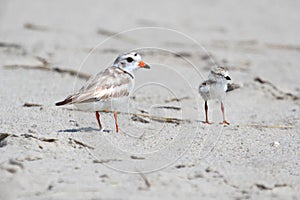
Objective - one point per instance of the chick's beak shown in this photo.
(143, 65)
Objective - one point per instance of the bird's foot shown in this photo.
(225, 122)
(206, 122)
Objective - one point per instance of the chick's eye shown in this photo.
(129, 59)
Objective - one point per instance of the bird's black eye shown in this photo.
(129, 59)
(135, 54)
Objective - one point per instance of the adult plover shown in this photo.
(109, 87)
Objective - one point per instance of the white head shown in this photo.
(219, 74)
(130, 62)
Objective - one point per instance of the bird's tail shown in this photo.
(68, 100)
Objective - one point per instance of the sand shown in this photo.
(49, 48)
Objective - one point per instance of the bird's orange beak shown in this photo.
(143, 65)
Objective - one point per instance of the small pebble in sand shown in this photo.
(275, 144)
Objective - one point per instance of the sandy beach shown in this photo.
(48, 50)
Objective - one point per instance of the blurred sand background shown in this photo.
(56, 153)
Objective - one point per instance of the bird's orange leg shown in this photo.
(206, 113)
(98, 120)
(223, 113)
(116, 121)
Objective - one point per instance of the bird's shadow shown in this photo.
(83, 129)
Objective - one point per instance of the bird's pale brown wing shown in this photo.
(232, 86)
(204, 89)
(111, 83)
